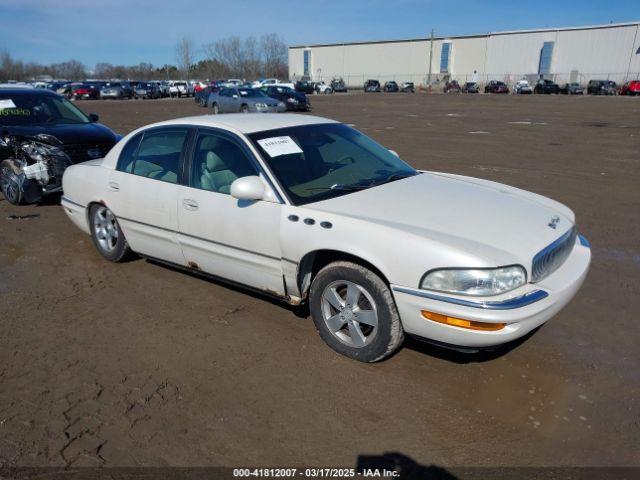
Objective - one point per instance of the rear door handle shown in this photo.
(114, 187)
(189, 204)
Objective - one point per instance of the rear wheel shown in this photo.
(244, 109)
(107, 235)
(354, 312)
(215, 108)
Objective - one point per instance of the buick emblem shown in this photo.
(553, 223)
(93, 152)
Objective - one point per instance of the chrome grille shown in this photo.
(79, 152)
(550, 258)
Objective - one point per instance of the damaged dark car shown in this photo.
(41, 134)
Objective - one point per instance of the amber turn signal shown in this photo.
(459, 322)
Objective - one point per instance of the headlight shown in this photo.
(480, 282)
(261, 105)
(292, 100)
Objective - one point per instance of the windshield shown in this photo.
(251, 92)
(317, 162)
(39, 109)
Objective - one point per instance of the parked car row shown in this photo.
(274, 98)
(521, 87)
(546, 86)
(124, 89)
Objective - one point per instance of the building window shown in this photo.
(307, 62)
(445, 55)
(546, 54)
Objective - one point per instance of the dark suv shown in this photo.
(601, 87)
(372, 86)
(546, 86)
(470, 87)
(338, 85)
(391, 86)
(305, 85)
(495, 86)
(452, 87)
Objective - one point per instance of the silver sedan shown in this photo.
(243, 100)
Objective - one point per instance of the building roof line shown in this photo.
(479, 35)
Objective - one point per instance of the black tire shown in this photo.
(215, 109)
(120, 250)
(9, 183)
(382, 340)
(244, 109)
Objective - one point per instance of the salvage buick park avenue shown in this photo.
(311, 210)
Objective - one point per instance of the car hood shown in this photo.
(67, 134)
(496, 223)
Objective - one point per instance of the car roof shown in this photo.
(249, 122)
(25, 92)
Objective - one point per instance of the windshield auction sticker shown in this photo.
(6, 103)
(277, 146)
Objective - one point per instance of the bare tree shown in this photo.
(274, 55)
(251, 62)
(103, 70)
(185, 55)
(71, 69)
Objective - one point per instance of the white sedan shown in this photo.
(311, 210)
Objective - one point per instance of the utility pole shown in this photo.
(431, 55)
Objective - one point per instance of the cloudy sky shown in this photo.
(134, 31)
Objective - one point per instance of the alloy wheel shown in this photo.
(349, 313)
(105, 228)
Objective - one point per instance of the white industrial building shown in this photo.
(609, 52)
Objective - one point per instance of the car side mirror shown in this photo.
(248, 188)
(93, 117)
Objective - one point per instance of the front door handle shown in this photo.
(189, 204)
(114, 187)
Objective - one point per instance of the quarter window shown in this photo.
(128, 154)
(217, 162)
(158, 155)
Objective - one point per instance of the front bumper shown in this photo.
(110, 95)
(297, 107)
(522, 310)
(270, 109)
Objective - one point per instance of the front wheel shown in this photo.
(216, 109)
(107, 235)
(9, 184)
(354, 312)
(244, 109)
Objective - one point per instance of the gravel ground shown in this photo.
(139, 365)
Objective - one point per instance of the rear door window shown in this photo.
(157, 155)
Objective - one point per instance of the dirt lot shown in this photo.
(137, 364)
